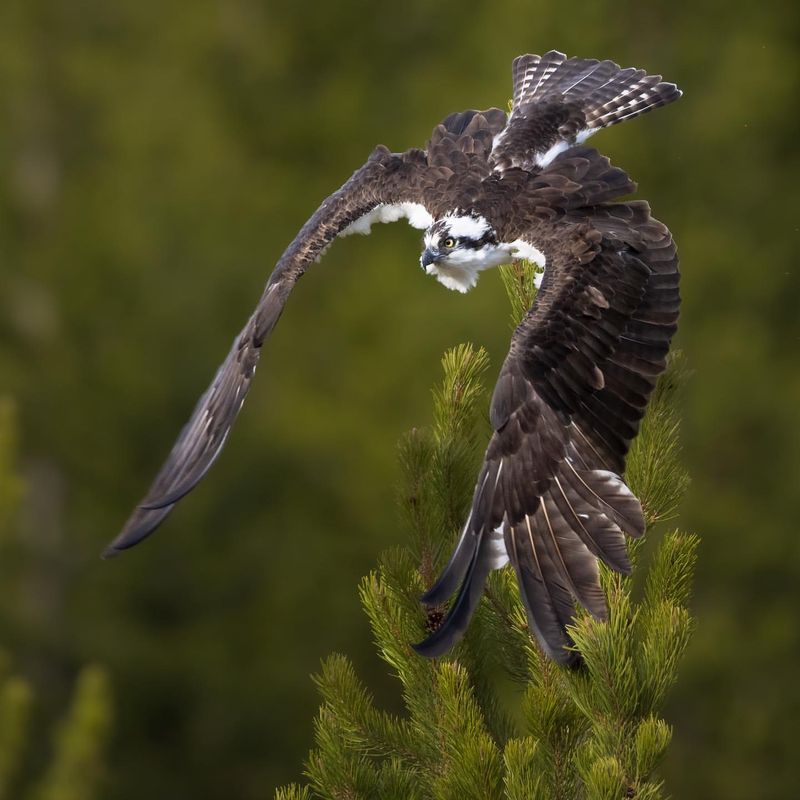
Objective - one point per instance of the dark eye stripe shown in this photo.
(477, 244)
(438, 234)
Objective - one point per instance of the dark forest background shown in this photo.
(155, 158)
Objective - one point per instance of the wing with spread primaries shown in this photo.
(568, 401)
(387, 187)
(417, 185)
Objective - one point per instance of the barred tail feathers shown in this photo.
(606, 93)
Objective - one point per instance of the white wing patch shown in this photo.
(498, 137)
(528, 252)
(543, 159)
(416, 214)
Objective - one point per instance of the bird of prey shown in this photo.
(489, 188)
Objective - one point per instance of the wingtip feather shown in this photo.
(139, 526)
(440, 641)
(109, 553)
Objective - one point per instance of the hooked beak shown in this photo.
(427, 258)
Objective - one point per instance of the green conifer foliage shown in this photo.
(75, 770)
(496, 718)
(15, 705)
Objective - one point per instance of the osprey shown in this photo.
(487, 189)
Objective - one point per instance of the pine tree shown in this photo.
(497, 719)
(76, 770)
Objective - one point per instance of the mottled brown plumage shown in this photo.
(582, 363)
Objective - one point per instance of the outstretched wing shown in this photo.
(568, 401)
(416, 185)
(388, 187)
(560, 101)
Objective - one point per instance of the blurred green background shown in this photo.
(155, 158)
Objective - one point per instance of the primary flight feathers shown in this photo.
(489, 188)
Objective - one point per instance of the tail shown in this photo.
(606, 93)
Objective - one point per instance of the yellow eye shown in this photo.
(449, 243)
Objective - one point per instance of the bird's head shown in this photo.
(459, 246)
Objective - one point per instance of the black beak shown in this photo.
(428, 257)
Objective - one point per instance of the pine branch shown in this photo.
(77, 767)
(519, 282)
(470, 761)
(363, 726)
(15, 709)
(522, 773)
(654, 470)
(293, 792)
(439, 464)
